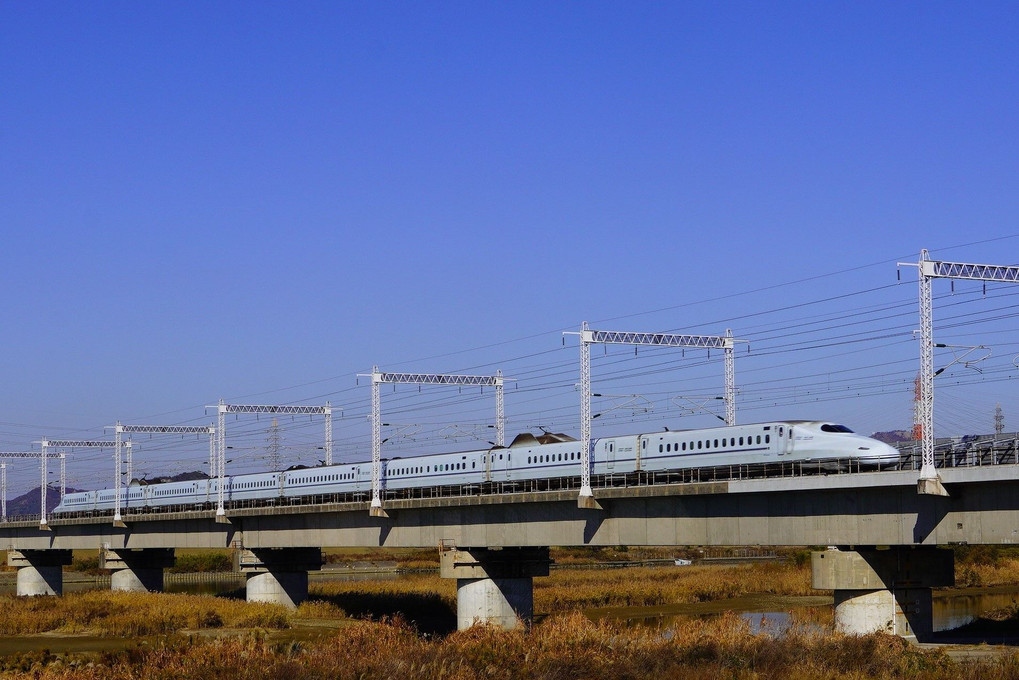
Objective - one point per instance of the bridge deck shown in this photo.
(869, 508)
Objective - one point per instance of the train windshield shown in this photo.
(835, 428)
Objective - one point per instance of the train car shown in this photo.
(549, 456)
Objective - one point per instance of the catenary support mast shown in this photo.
(42, 468)
(589, 337)
(222, 408)
(930, 481)
(119, 430)
(69, 444)
(379, 377)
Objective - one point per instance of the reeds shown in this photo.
(562, 648)
(567, 589)
(133, 614)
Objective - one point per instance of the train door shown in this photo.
(610, 456)
(488, 465)
(786, 447)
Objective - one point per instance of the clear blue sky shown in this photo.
(256, 201)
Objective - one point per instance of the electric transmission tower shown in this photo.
(273, 445)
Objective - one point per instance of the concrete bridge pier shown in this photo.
(40, 572)
(278, 575)
(884, 590)
(494, 586)
(138, 570)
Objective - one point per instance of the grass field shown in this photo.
(197, 637)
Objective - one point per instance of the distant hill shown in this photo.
(28, 503)
(893, 436)
(182, 477)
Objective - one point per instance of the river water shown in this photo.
(775, 614)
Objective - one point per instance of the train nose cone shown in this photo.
(885, 453)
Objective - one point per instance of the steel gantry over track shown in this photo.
(119, 431)
(589, 337)
(222, 408)
(30, 454)
(379, 377)
(930, 482)
(47, 444)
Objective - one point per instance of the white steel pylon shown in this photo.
(929, 481)
(589, 337)
(497, 381)
(67, 444)
(222, 408)
(119, 430)
(42, 467)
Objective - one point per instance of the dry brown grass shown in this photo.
(133, 614)
(560, 649)
(567, 589)
(999, 573)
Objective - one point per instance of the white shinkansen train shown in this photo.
(528, 458)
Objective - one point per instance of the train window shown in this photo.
(474, 464)
(758, 439)
(683, 446)
(835, 428)
(741, 441)
(668, 447)
(500, 456)
(781, 431)
(661, 448)
(716, 443)
(767, 439)
(528, 460)
(612, 447)
(700, 444)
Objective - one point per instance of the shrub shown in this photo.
(211, 561)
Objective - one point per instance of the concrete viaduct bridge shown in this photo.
(495, 544)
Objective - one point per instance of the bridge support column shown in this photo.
(278, 575)
(139, 570)
(884, 590)
(40, 572)
(494, 586)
